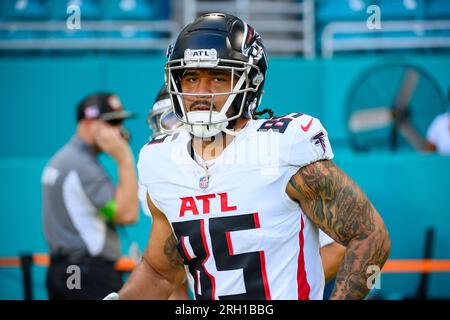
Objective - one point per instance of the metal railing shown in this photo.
(164, 31)
(289, 30)
(330, 44)
(26, 262)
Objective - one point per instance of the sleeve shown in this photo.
(308, 142)
(97, 185)
(145, 172)
(433, 131)
(324, 239)
(142, 195)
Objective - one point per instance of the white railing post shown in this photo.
(309, 28)
(190, 11)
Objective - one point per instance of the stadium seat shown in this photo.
(162, 9)
(89, 9)
(128, 9)
(351, 10)
(25, 9)
(401, 9)
(438, 9)
(346, 10)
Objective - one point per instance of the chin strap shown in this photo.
(189, 128)
(235, 133)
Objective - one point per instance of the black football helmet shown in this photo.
(217, 41)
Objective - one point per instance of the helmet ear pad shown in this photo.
(252, 98)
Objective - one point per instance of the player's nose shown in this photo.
(204, 86)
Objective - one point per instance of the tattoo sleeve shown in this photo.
(334, 202)
(171, 252)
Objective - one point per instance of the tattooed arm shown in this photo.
(161, 269)
(332, 255)
(334, 202)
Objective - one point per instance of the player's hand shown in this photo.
(109, 140)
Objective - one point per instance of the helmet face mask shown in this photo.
(219, 42)
(241, 87)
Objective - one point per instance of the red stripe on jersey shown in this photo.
(256, 218)
(262, 258)
(230, 245)
(302, 282)
(186, 253)
(205, 244)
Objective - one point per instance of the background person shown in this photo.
(81, 206)
(438, 134)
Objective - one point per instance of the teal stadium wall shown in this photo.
(37, 100)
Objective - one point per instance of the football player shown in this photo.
(239, 200)
(331, 252)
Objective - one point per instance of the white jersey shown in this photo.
(239, 233)
(324, 239)
(439, 133)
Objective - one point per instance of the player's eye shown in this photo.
(190, 78)
(222, 77)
